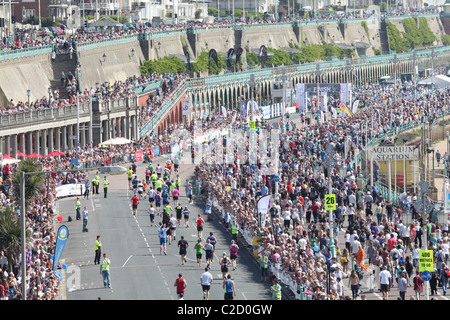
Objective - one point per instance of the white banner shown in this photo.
(300, 94)
(68, 190)
(224, 111)
(334, 112)
(446, 198)
(324, 100)
(344, 90)
(186, 106)
(263, 207)
(355, 106)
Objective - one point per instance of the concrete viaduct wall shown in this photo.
(28, 73)
(117, 59)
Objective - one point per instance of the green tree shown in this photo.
(445, 38)
(252, 59)
(168, 64)
(427, 35)
(203, 65)
(278, 58)
(33, 182)
(10, 235)
(396, 41)
(412, 33)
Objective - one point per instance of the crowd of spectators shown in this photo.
(297, 233)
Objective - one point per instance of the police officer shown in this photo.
(276, 290)
(98, 250)
(234, 231)
(105, 187)
(78, 208)
(96, 183)
(264, 266)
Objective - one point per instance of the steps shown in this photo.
(384, 38)
(62, 63)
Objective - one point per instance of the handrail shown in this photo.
(27, 52)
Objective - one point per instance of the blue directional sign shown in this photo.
(276, 178)
(426, 275)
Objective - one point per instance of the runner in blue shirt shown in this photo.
(165, 197)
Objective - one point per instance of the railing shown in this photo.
(166, 107)
(47, 115)
(107, 42)
(148, 87)
(22, 53)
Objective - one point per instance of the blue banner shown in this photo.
(61, 239)
(156, 151)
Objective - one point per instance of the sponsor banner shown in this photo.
(138, 156)
(61, 239)
(68, 190)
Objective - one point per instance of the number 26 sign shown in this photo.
(330, 202)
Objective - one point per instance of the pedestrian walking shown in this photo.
(181, 285)
(98, 250)
(353, 284)
(385, 282)
(402, 285)
(418, 285)
(85, 219)
(105, 272)
(228, 287)
(87, 188)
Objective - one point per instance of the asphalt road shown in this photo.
(138, 271)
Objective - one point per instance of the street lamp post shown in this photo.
(395, 60)
(283, 106)
(332, 245)
(318, 73)
(252, 84)
(28, 94)
(432, 55)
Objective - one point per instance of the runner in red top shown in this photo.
(181, 285)
(134, 203)
(200, 222)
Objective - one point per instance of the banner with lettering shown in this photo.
(300, 93)
(138, 155)
(61, 239)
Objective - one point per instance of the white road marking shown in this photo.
(127, 261)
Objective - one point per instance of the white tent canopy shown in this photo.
(116, 141)
(4, 162)
(440, 81)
